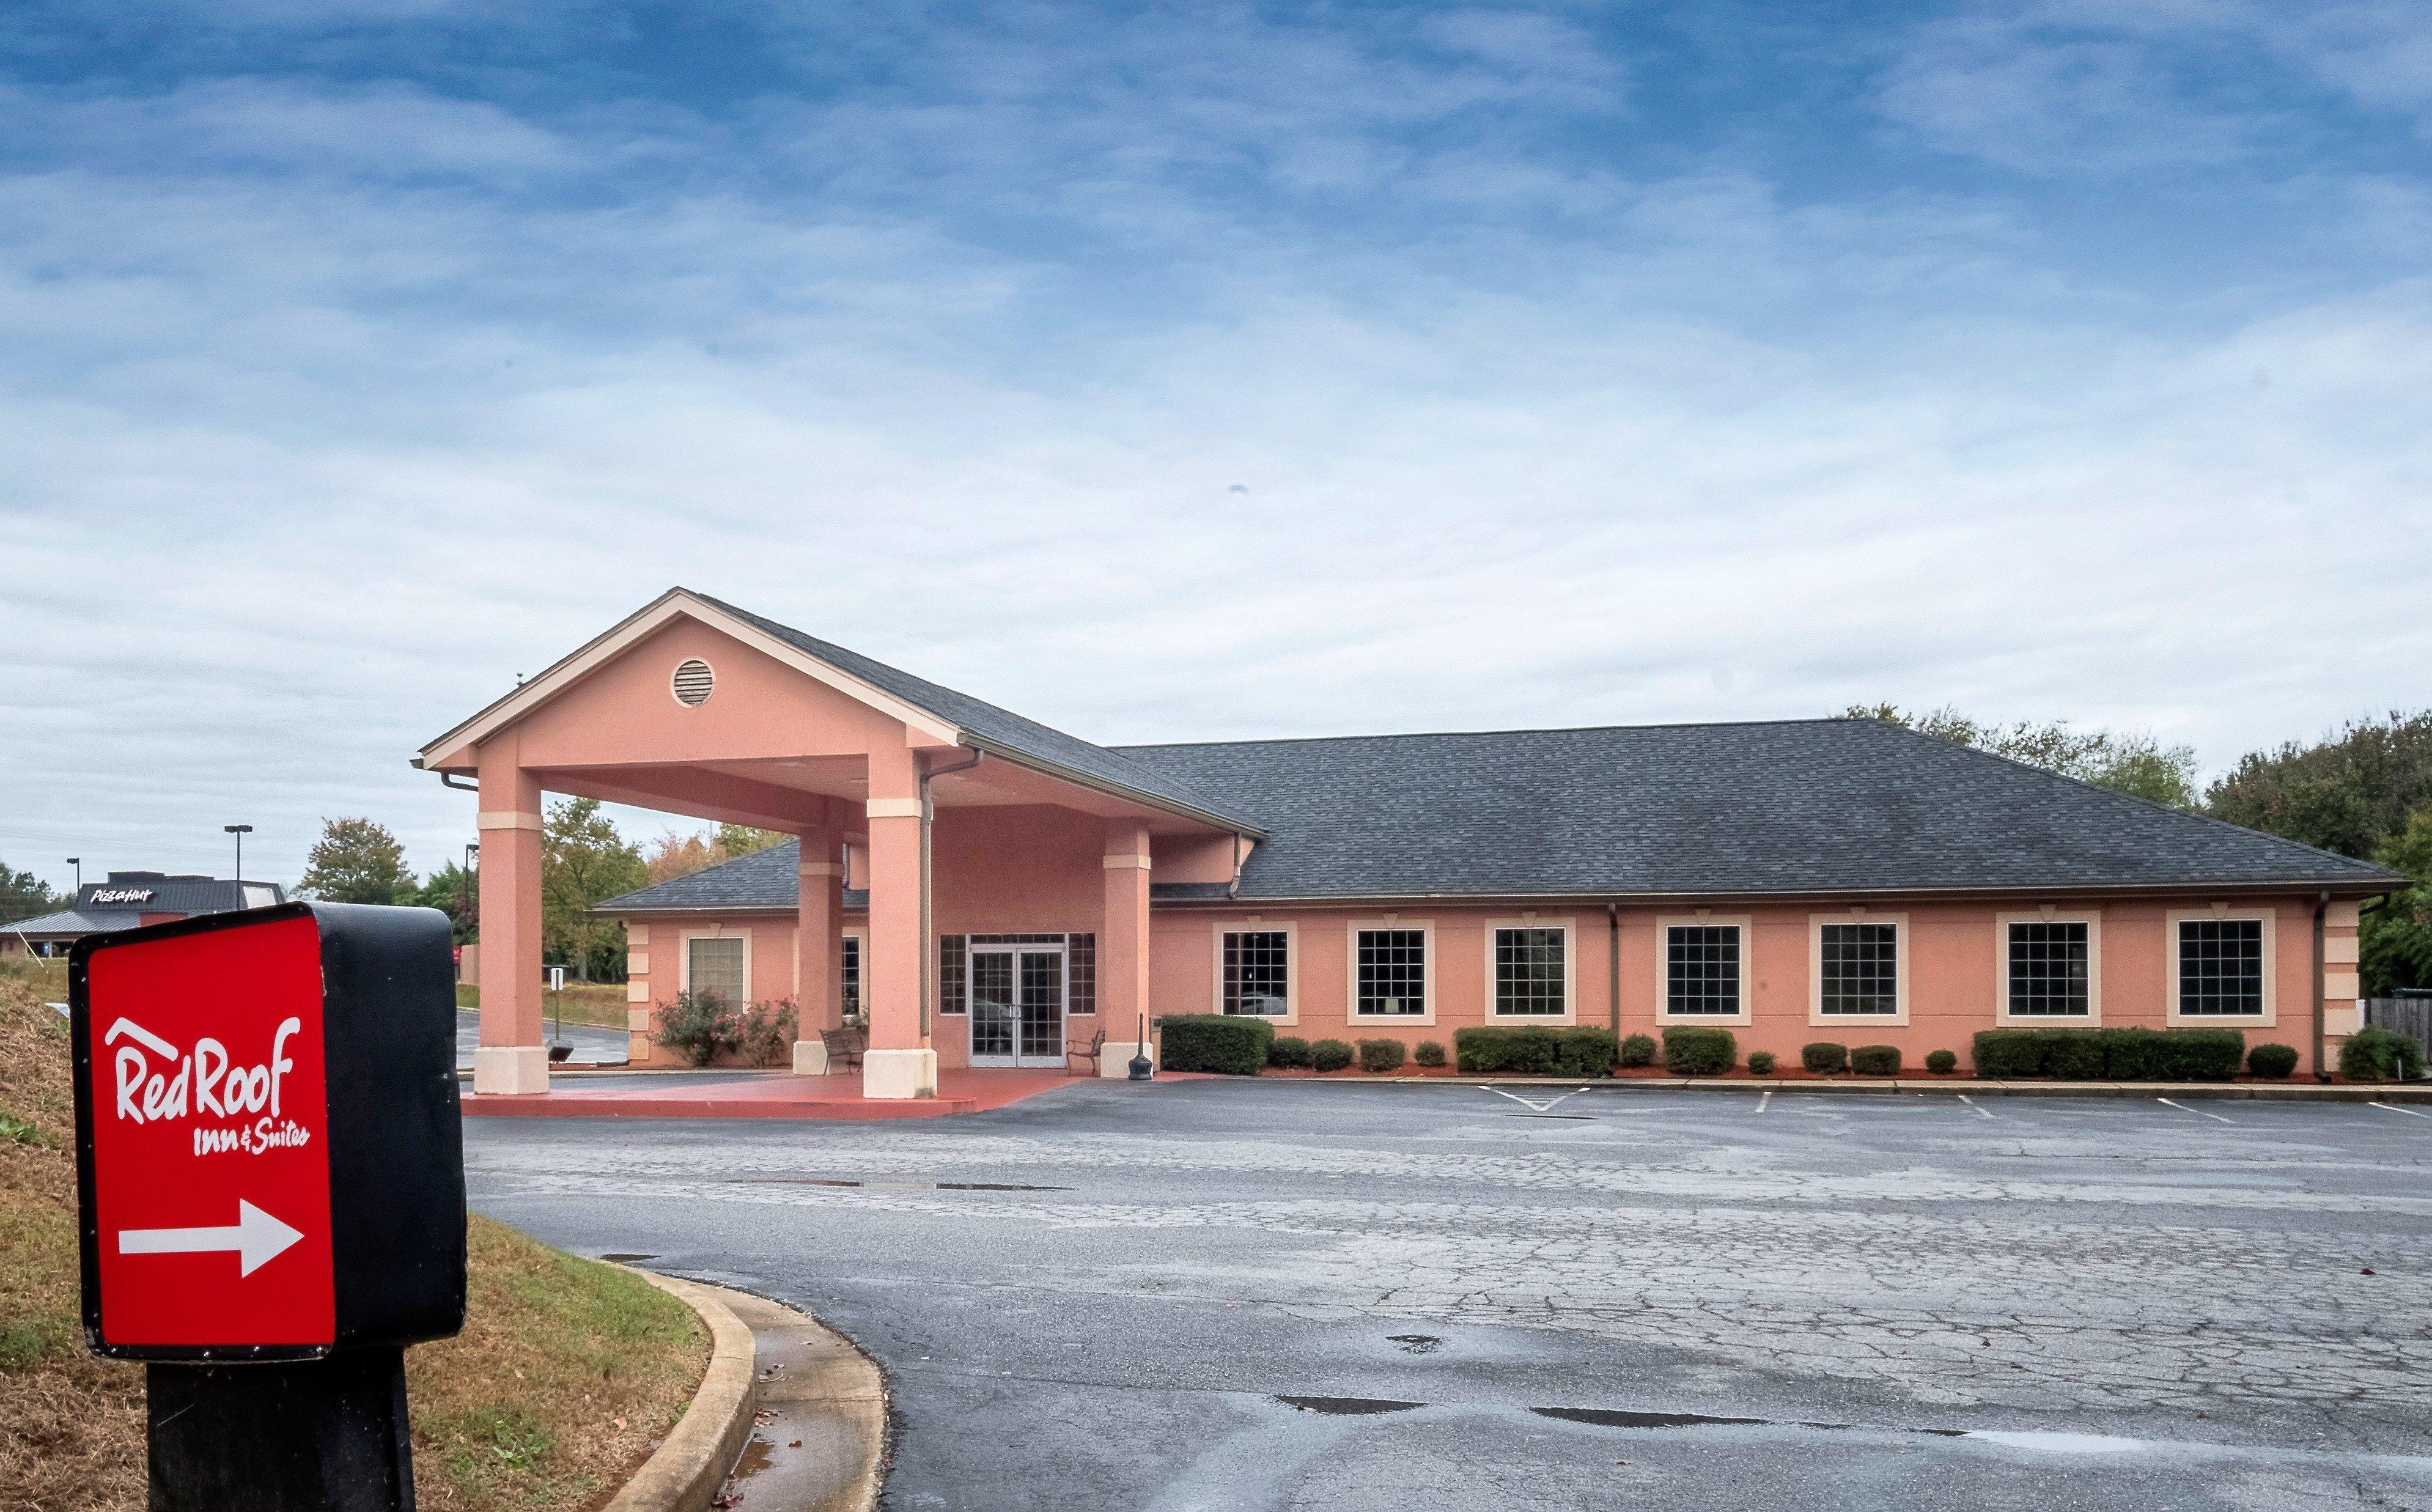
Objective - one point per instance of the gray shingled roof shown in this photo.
(1813, 806)
(1810, 806)
(1002, 727)
(72, 922)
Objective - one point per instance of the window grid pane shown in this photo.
(1258, 972)
(1081, 972)
(1528, 972)
(950, 958)
(2220, 968)
(717, 967)
(1702, 969)
(852, 975)
(2048, 971)
(1861, 970)
(1393, 972)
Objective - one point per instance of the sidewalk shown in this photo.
(761, 1094)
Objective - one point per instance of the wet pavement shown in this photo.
(593, 1044)
(1218, 1295)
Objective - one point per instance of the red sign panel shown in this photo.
(210, 1165)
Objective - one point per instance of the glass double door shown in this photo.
(1017, 1004)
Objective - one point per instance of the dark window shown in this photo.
(1528, 972)
(1861, 969)
(2048, 971)
(951, 954)
(1393, 972)
(2220, 968)
(1702, 969)
(851, 971)
(1081, 973)
(1258, 972)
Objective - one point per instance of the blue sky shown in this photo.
(1287, 370)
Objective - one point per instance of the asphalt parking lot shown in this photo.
(1220, 1294)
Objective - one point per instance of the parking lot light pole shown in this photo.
(239, 831)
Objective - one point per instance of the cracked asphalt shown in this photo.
(1099, 1298)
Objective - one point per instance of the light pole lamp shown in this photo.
(239, 831)
(78, 861)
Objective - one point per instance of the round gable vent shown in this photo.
(693, 682)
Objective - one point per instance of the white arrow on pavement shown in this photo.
(255, 1236)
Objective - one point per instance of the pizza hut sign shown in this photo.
(122, 895)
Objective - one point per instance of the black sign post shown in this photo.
(270, 1176)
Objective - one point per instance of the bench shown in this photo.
(844, 1046)
(1074, 1052)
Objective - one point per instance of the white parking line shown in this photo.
(2388, 1108)
(2198, 1111)
(1532, 1106)
(1763, 1099)
(1972, 1108)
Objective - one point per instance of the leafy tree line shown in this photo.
(2364, 791)
(23, 895)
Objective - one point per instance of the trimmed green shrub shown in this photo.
(1586, 1052)
(2380, 1055)
(1429, 1053)
(1876, 1060)
(1380, 1056)
(1330, 1055)
(1761, 1062)
(1825, 1057)
(2273, 1061)
(2006, 1053)
(1235, 1044)
(1289, 1052)
(2074, 1055)
(1698, 1050)
(1941, 1062)
(2172, 1055)
(1639, 1049)
(1532, 1050)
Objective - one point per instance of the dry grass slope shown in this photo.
(568, 1372)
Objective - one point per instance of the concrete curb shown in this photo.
(2290, 1091)
(685, 1472)
(822, 1440)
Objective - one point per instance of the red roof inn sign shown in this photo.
(271, 1178)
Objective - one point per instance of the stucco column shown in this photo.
(1123, 947)
(819, 902)
(900, 1062)
(510, 1057)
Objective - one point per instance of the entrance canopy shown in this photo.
(695, 707)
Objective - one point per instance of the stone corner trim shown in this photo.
(685, 1471)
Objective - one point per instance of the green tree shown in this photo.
(455, 892)
(2129, 761)
(584, 861)
(22, 894)
(735, 841)
(355, 860)
(2353, 791)
(2394, 943)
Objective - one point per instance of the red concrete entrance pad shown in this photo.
(773, 1095)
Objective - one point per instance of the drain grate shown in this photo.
(626, 1260)
(1347, 1406)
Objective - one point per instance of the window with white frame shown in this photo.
(2050, 969)
(713, 964)
(1858, 970)
(2220, 968)
(1258, 972)
(1531, 972)
(1701, 970)
(1392, 972)
(851, 969)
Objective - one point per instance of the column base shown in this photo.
(898, 1073)
(506, 1070)
(810, 1058)
(1115, 1058)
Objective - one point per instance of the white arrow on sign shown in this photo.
(255, 1236)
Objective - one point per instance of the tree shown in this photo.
(2353, 791)
(355, 860)
(672, 854)
(735, 841)
(2129, 761)
(22, 894)
(2394, 943)
(455, 892)
(583, 861)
